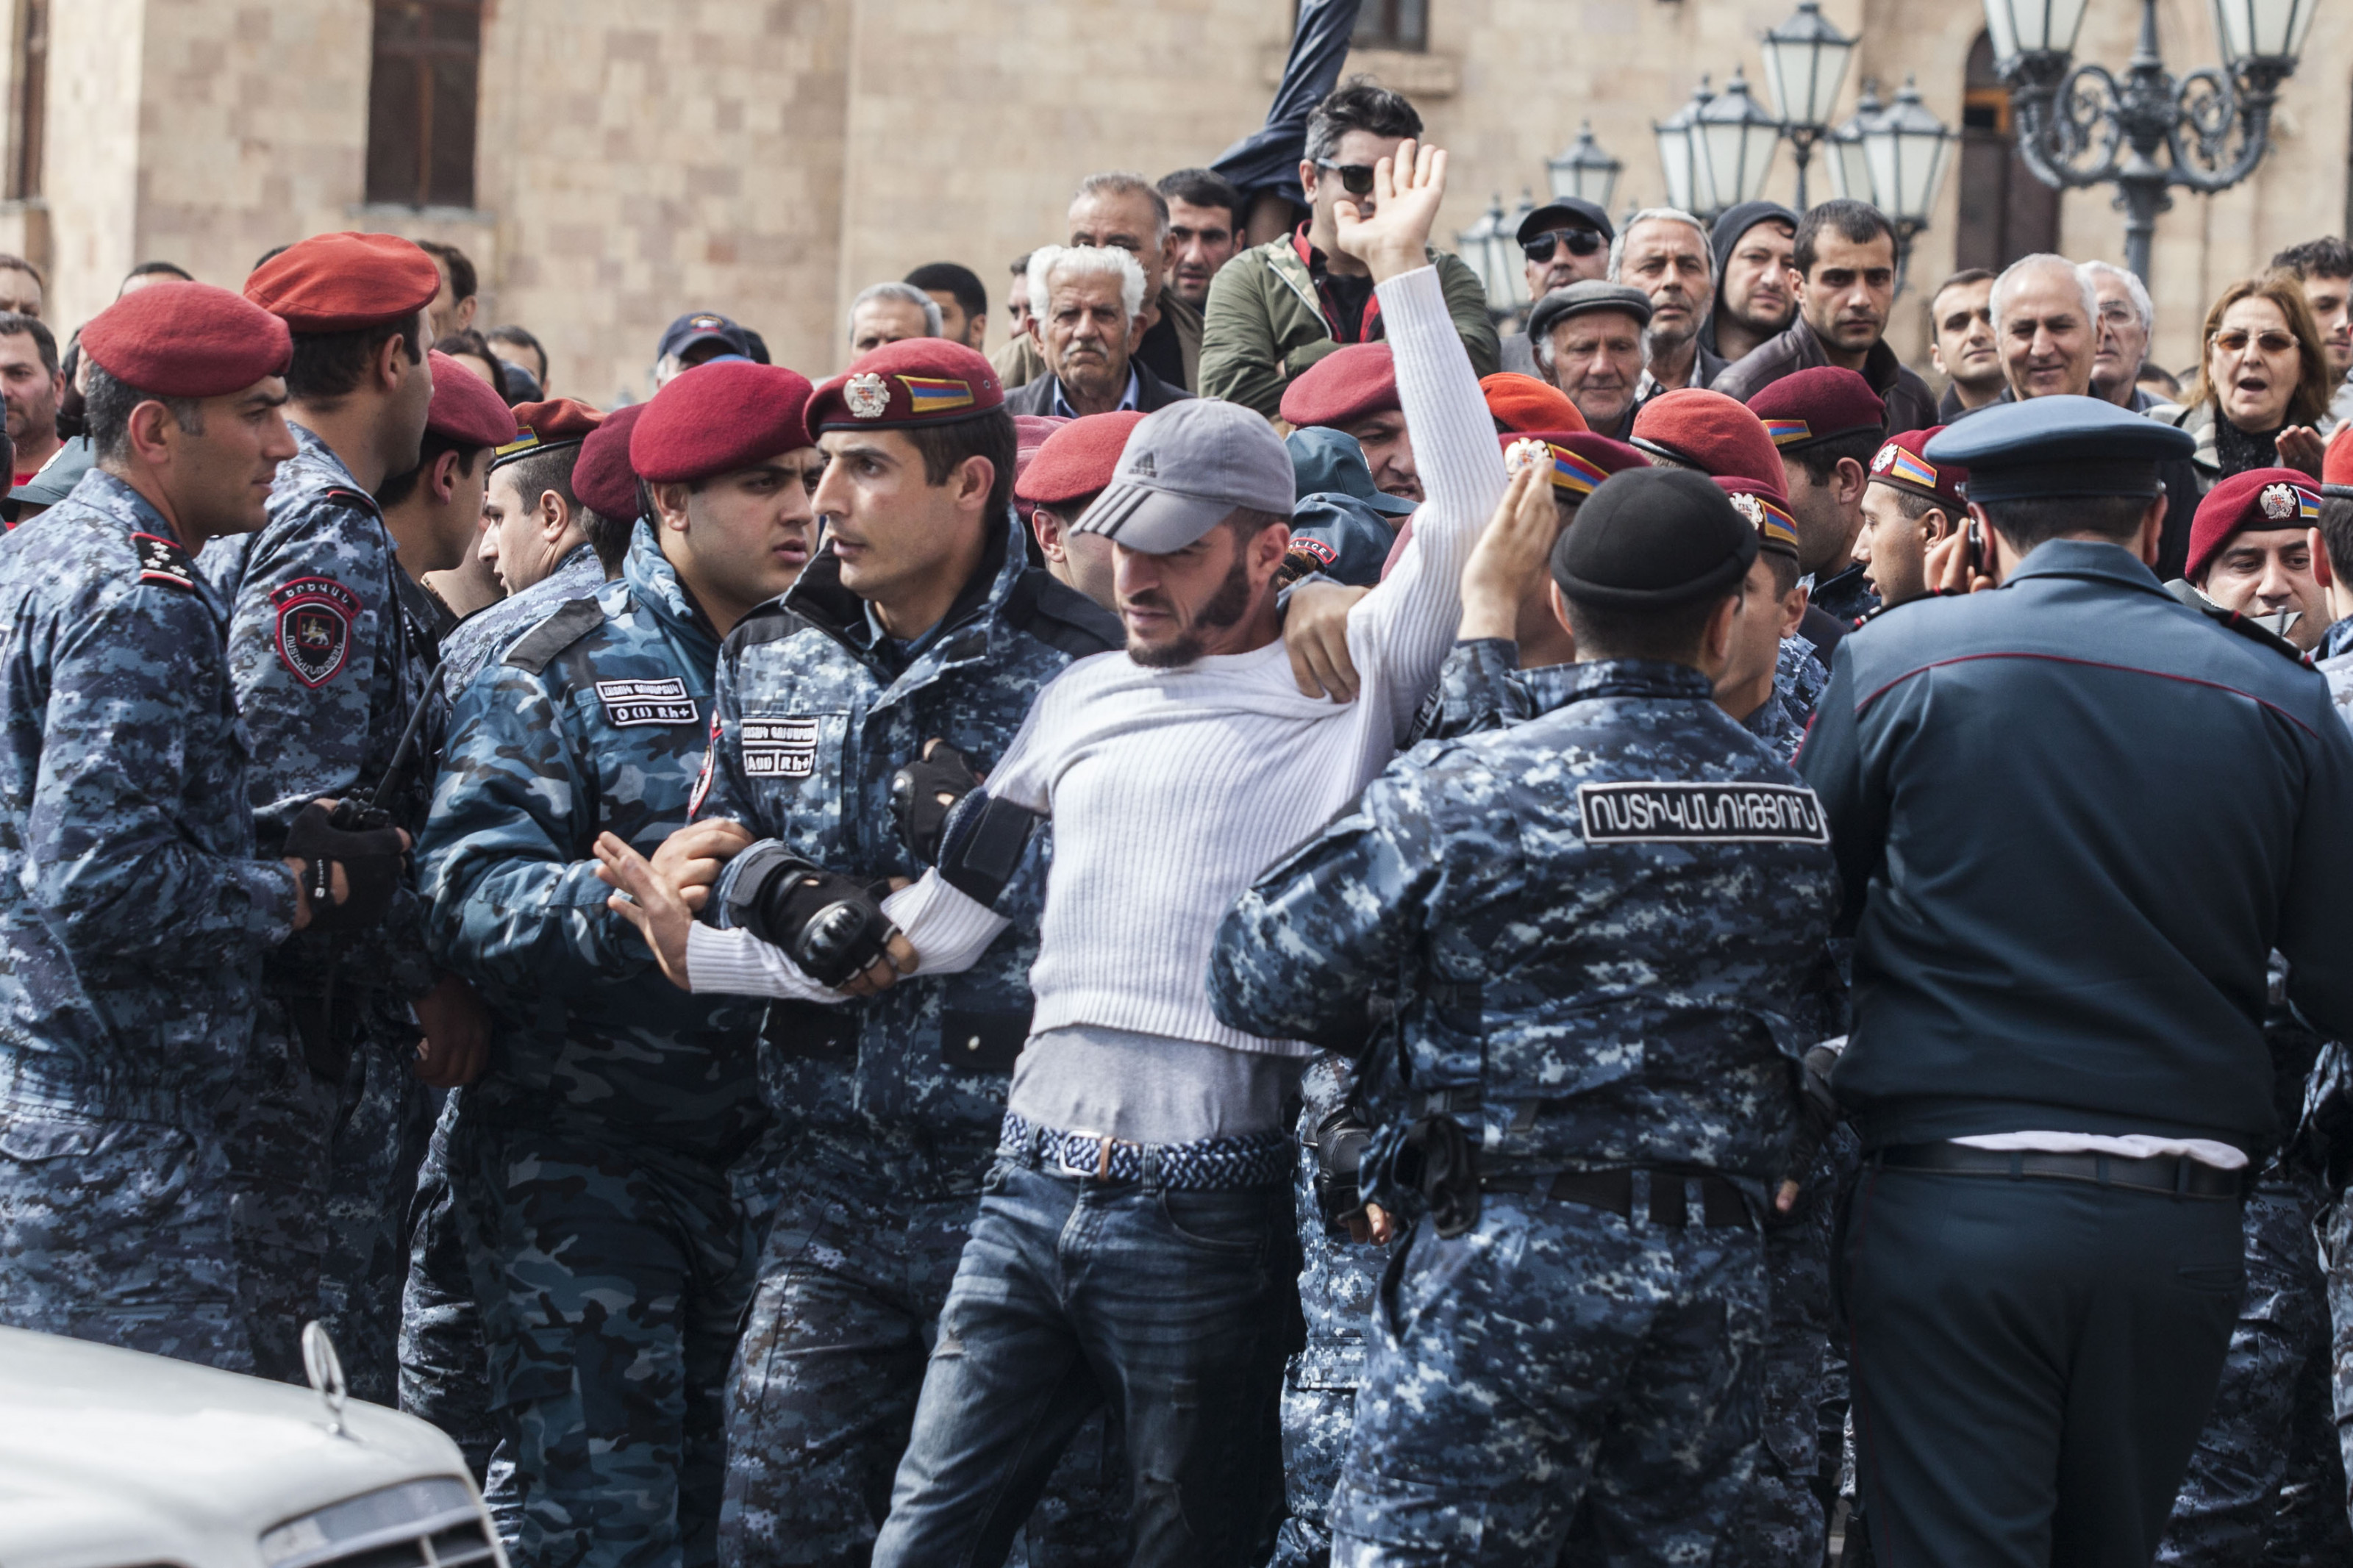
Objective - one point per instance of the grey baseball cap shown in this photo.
(1185, 470)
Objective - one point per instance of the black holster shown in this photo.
(1439, 1159)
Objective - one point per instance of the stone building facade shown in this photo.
(767, 158)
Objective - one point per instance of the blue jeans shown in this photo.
(1169, 1306)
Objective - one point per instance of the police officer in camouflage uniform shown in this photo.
(1603, 1088)
(135, 907)
(330, 650)
(921, 620)
(529, 492)
(590, 1165)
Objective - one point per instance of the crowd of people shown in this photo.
(1264, 926)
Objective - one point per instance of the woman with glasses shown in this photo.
(2262, 395)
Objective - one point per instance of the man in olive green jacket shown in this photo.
(1275, 309)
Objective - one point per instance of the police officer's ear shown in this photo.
(1048, 525)
(2322, 571)
(1716, 638)
(555, 517)
(668, 500)
(1848, 480)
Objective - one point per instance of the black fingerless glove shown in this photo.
(831, 926)
(371, 857)
(924, 793)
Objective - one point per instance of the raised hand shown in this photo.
(1407, 190)
(1512, 551)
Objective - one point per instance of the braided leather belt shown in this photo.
(1203, 1164)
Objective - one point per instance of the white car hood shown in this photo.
(103, 1450)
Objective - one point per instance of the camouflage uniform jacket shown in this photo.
(593, 723)
(1612, 918)
(482, 636)
(330, 651)
(1483, 687)
(133, 910)
(816, 711)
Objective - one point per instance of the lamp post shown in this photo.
(1907, 149)
(1849, 166)
(1805, 64)
(2079, 126)
(1681, 158)
(1491, 246)
(1735, 136)
(1583, 171)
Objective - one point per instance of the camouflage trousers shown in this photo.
(119, 1232)
(2337, 1253)
(444, 1369)
(821, 1398)
(1788, 1526)
(1558, 1377)
(610, 1280)
(2270, 1424)
(276, 1123)
(379, 1141)
(1319, 1386)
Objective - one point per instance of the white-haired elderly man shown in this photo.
(1086, 309)
(1665, 252)
(891, 313)
(2125, 322)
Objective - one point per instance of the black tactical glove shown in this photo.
(924, 793)
(1339, 1144)
(832, 926)
(370, 858)
(1818, 1111)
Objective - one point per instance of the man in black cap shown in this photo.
(697, 338)
(1753, 243)
(1564, 241)
(1589, 344)
(2057, 1068)
(1570, 1342)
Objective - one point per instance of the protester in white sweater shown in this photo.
(1173, 774)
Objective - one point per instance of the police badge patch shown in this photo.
(2279, 501)
(162, 560)
(866, 396)
(663, 702)
(1752, 508)
(314, 627)
(779, 748)
(1886, 459)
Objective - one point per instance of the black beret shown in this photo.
(1653, 539)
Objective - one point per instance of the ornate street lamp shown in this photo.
(1492, 247)
(1584, 171)
(1850, 164)
(1681, 157)
(2079, 126)
(1908, 150)
(1737, 137)
(1805, 64)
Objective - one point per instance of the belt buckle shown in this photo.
(1102, 1143)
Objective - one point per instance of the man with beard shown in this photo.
(1665, 254)
(1844, 258)
(31, 383)
(1754, 301)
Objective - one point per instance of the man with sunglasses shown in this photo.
(1562, 242)
(1277, 309)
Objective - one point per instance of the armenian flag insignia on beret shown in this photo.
(1786, 431)
(2286, 503)
(916, 381)
(1776, 528)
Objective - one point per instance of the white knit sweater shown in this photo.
(1172, 790)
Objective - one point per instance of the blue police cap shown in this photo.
(1349, 541)
(1325, 459)
(2060, 445)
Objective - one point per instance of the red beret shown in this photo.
(186, 340)
(547, 425)
(915, 380)
(1344, 387)
(1712, 433)
(2337, 464)
(1525, 404)
(2261, 501)
(1580, 460)
(1077, 460)
(1902, 464)
(726, 415)
(465, 408)
(601, 475)
(342, 283)
(1807, 407)
(1764, 506)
